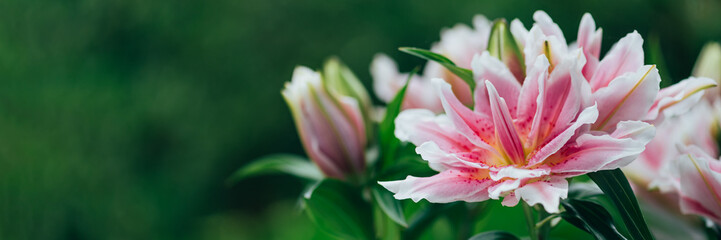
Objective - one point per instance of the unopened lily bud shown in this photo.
(329, 123)
(340, 80)
(503, 46)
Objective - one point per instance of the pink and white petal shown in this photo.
(470, 185)
(441, 160)
(518, 173)
(519, 32)
(587, 116)
(627, 97)
(678, 98)
(386, 78)
(560, 101)
(506, 133)
(547, 25)
(530, 100)
(625, 56)
(487, 67)
(589, 39)
(547, 193)
(700, 183)
(503, 188)
(510, 200)
(476, 127)
(593, 153)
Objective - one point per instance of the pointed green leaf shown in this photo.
(339, 211)
(503, 46)
(389, 204)
(591, 217)
(463, 73)
(494, 235)
(616, 187)
(278, 163)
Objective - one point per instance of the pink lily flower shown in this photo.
(330, 125)
(696, 127)
(459, 44)
(524, 137)
(698, 183)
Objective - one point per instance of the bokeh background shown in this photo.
(122, 119)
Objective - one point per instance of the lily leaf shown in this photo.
(616, 187)
(494, 235)
(339, 211)
(389, 204)
(591, 217)
(278, 163)
(463, 73)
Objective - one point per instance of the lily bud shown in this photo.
(504, 46)
(330, 124)
(339, 79)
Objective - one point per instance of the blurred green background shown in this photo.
(121, 119)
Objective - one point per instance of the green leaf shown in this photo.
(463, 73)
(278, 163)
(591, 217)
(389, 143)
(494, 235)
(503, 46)
(389, 204)
(339, 211)
(616, 187)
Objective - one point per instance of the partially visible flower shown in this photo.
(708, 65)
(697, 127)
(698, 183)
(459, 44)
(330, 124)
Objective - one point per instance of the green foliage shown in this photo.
(463, 73)
(616, 187)
(494, 235)
(591, 217)
(278, 163)
(388, 141)
(389, 204)
(339, 211)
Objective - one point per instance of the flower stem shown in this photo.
(530, 221)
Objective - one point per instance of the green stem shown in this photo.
(530, 221)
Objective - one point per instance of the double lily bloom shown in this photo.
(560, 112)
(330, 112)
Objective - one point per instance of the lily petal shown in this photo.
(625, 56)
(548, 193)
(505, 130)
(678, 98)
(627, 97)
(469, 185)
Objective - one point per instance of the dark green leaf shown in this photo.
(616, 187)
(278, 163)
(463, 73)
(389, 143)
(339, 211)
(591, 217)
(389, 204)
(494, 235)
